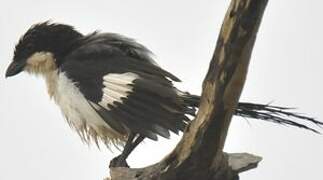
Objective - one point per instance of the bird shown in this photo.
(111, 90)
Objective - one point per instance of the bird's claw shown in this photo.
(118, 161)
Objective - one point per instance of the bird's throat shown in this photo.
(41, 63)
(51, 79)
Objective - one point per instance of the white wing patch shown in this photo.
(116, 87)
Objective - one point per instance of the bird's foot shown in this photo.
(118, 161)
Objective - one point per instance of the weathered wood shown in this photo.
(238, 162)
(199, 154)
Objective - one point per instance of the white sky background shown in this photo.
(286, 67)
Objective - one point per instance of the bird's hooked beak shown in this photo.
(14, 68)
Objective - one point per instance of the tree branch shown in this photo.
(199, 154)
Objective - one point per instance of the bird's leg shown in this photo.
(131, 144)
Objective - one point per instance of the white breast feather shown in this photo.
(79, 113)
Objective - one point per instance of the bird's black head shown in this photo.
(42, 48)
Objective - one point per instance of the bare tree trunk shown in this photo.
(199, 154)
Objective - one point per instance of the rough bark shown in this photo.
(199, 154)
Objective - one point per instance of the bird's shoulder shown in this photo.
(108, 48)
(102, 53)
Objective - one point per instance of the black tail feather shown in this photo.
(276, 114)
(266, 112)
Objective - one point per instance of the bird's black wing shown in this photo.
(123, 84)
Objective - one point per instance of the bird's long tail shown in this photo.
(266, 112)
